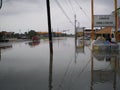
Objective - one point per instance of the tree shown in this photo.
(1, 35)
(17, 35)
(32, 33)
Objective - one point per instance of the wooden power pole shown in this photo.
(1, 4)
(75, 30)
(92, 19)
(49, 26)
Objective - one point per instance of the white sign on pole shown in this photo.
(104, 20)
(80, 29)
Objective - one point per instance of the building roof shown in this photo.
(42, 32)
(6, 33)
(106, 30)
(47, 33)
(58, 32)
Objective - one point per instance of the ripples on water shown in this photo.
(30, 66)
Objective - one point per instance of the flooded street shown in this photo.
(30, 66)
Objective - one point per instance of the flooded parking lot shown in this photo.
(30, 66)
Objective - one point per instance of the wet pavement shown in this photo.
(30, 66)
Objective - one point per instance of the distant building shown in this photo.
(109, 32)
(87, 32)
(43, 34)
(54, 34)
(4, 34)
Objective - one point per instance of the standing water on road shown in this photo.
(30, 66)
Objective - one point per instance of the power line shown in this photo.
(71, 6)
(82, 70)
(63, 11)
(67, 71)
(65, 74)
(82, 9)
(67, 7)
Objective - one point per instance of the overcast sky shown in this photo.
(25, 15)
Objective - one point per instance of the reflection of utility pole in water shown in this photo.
(97, 75)
(50, 71)
(115, 71)
(91, 88)
(79, 44)
(75, 54)
(49, 26)
(0, 53)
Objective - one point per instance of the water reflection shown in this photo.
(80, 46)
(0, 54)
(33, 44)
(4, 48)
(50, 71)
(101, 55)
(106, 71)
(32, 68)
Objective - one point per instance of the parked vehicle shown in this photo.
(35, 38)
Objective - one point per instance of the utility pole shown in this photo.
(75, 29)
(116, 21)
(49, 26)
(50, 71)
(92, 20)
(1, 4)
(50, 44)
(75, 36)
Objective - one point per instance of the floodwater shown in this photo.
(30, 66)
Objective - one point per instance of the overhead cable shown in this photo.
(63, 11)
(82, 9)
(76, 78)
(71, 6)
